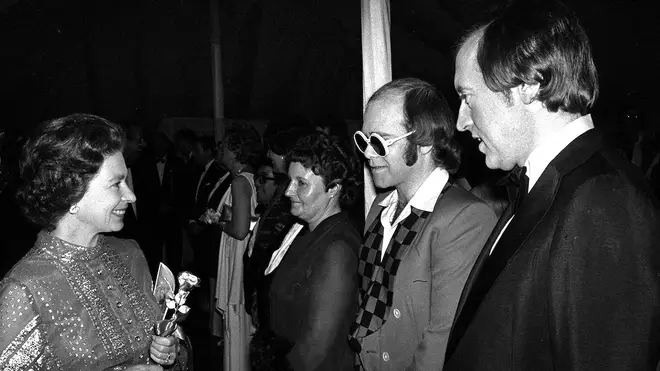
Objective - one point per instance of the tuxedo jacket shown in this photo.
(207, 244)
(203, 192)
(428, 283)
(151, 193)
(574, 281)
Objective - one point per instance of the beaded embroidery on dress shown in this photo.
(71, 307)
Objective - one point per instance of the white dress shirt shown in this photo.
(547, 150)
(161, 169)
(424, 199)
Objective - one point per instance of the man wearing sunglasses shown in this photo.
(422, 233)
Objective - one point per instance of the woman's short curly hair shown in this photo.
(328, 159)
(59, 160)
(244, 141)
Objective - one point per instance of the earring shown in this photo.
(73, 209)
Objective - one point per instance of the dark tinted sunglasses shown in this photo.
(379, 144)
(264, 178)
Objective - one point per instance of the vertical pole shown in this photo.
(216, 61)
(376, 65)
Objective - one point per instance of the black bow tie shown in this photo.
(517, 184)
(161, 160)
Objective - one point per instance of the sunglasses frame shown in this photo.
(386, 142)
(264, 178)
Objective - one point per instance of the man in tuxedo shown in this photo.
(158, 187)
(422, 236)
(570, 277)
(206, 182)
(185, 141)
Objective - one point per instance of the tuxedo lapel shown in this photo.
(461, 318)
(535, 205)
(541, 197)
(219, 192)
(530, 213)
(206, 184)
(166, 185)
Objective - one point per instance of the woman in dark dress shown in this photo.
(313, 292)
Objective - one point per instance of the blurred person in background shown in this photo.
(184, 145)
(240, 154)
(19, 233)
(158, 185)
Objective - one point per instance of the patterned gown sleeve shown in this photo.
(23, 341)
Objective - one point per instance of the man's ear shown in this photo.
(527, 92)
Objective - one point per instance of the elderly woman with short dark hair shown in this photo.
(79, 300)
(313, 294)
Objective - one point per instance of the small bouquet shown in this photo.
(210, 216)
(174, 303)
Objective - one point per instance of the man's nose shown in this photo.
(464, 120)
(369, 152)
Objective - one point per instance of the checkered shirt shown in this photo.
(377, 276)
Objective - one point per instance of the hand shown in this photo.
(164, 350)
(145, 368)
(194, 229)
(225, 215)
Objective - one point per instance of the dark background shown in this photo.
(150, 59)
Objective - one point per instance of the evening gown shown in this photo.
(69, 307)
(229, 294)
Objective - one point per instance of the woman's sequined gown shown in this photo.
(67, 307)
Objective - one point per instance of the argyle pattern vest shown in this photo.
(376, 276)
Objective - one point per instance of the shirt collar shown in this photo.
(552, 144)
(208, 165)
(427, 195)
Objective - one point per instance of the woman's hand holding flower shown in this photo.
(164, 350)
